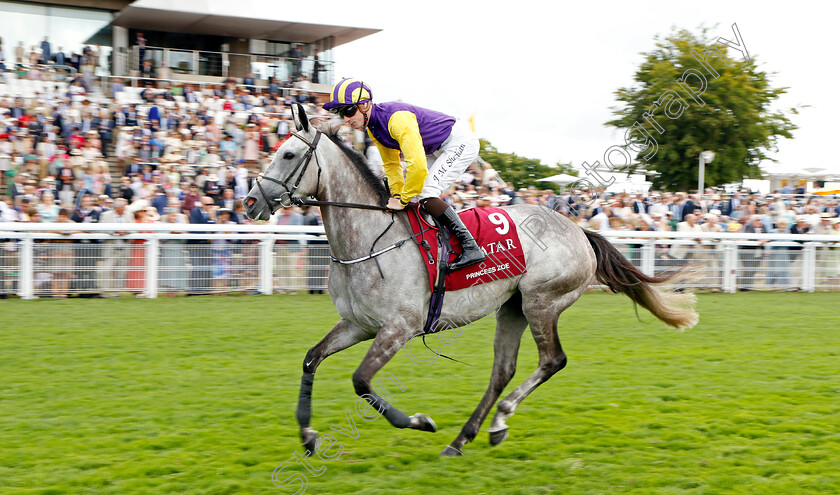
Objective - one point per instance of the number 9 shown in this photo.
(501, 221)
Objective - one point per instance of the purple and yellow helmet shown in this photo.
(347, 92)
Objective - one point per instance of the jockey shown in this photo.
(436, 147)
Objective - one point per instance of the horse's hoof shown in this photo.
(310, 440)
(451, 451)
(423, 423)
(497, 437)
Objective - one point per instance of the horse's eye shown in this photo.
(288, 155)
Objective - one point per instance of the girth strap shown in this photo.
(436, 301)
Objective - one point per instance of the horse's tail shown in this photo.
(616, 272)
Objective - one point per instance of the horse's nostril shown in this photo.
(251, 201)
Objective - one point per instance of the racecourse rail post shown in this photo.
(809, 267)
(730, 266)
(152, 257)
(648, 262)
(26, 270)
(266, 265)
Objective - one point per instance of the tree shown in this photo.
(690, 95)
(521, 171)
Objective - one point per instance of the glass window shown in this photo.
(155, 55)
(210, 64)
(270, 67)
(181, 62)
(66, 28)
(280, 49)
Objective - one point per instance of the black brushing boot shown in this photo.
(472, 254)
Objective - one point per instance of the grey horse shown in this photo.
(561, 258)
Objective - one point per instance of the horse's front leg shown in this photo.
(343, 335)
(387, 343)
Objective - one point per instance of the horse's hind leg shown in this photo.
(343, 335)
(542, 318)
(510, 323)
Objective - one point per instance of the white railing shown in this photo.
(150, 260)
(728, 262)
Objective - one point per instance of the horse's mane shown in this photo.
(362, 165)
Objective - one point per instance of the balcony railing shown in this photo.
(223, 64)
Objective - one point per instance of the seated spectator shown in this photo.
(76, 89)
(147, 72)
(211, 187)
(273, 86)
(163, 72)
(192, 198)
(248, 82)
(117, 87)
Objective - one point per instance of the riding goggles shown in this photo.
(345, 111)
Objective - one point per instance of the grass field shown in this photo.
(198, 396)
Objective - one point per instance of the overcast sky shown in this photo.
(540, 77)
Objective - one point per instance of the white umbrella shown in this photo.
(562, 179)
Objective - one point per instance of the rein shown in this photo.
(307, 202)
(289, 192)
(293, 200)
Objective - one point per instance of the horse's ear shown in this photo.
(300, 118)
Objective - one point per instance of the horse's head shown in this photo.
(294, 171)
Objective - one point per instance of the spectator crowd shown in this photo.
(61, 145)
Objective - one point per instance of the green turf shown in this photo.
(198, 395)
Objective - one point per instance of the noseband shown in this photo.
(302, 165)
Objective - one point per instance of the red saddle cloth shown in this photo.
(494, 232)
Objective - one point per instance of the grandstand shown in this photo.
(203, 41)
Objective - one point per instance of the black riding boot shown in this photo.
(472, 253)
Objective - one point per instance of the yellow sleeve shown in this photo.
(404, 129)
(393, 167)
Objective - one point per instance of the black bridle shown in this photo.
(289, 192)
(302, 165)
(304, 162)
